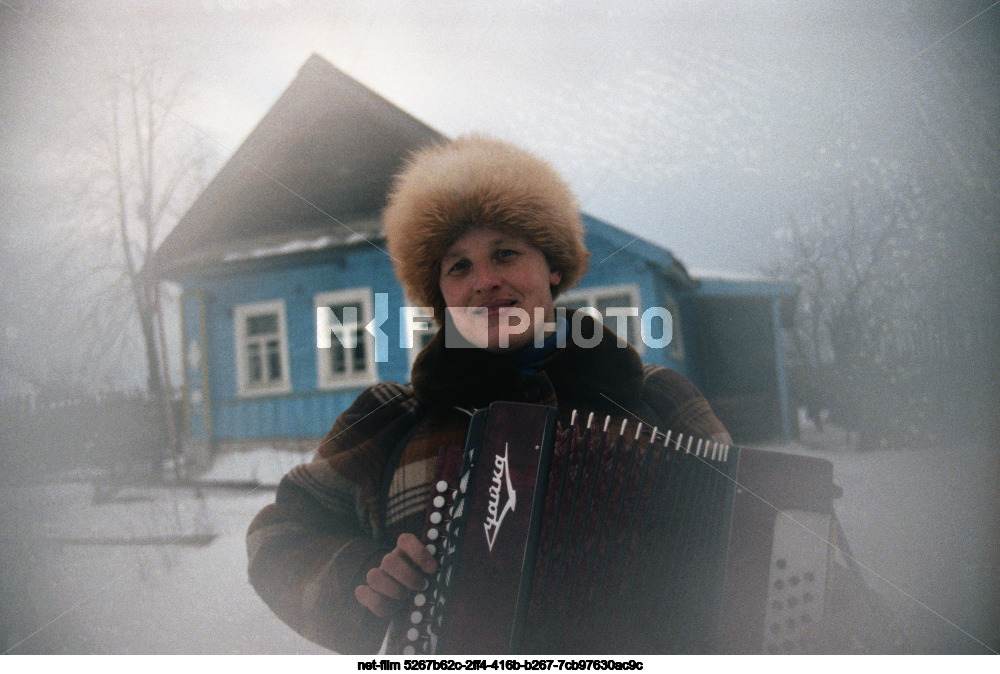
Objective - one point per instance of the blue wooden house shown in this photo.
(290, 225)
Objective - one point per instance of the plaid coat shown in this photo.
(334, 518)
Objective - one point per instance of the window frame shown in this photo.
(241, 313)
(326, 380)
(590, 296)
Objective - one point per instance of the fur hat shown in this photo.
(474, 181)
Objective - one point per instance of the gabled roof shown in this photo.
(316, 169)
(313, 176)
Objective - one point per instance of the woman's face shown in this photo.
(498, 289)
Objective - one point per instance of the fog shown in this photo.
(702, 127)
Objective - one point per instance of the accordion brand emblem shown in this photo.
(501, 477)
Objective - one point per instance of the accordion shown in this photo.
(590, 539)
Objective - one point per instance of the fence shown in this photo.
(56, 434)
(917, 389)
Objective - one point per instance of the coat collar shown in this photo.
(604, 376)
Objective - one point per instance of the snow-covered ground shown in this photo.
(923, 522)
(72, 598)
(925, 526)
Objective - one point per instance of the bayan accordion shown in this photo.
(590, 539)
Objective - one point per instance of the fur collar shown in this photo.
(603, 378)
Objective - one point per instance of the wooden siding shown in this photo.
(309, 411)
(306, 411)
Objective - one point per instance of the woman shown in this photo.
(488, 235)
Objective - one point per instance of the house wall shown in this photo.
(737, 358)
(611, 264)
(197, 415)
(709, 336)
(306, 410)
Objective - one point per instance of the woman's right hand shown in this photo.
(403, 570)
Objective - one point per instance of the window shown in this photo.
(607, 298)
(350, 359)
(261, 349)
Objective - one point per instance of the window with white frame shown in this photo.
(345, 353)
(261, 349)
(614, 304)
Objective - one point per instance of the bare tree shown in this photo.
(142, 163)
(121, 164)
(894, 324)
(849, 263)
(897, 323)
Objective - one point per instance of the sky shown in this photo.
(699, 126)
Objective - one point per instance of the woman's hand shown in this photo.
(403, 570)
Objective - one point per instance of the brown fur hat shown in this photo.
(475, 181)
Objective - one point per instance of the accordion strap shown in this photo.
(858, 621)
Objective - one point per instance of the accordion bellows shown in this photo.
(590, 539)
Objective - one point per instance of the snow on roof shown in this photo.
(295, 246)
(317, 235)
(718, 275)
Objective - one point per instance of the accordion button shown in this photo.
(436, 518)
(419, 600)
(409, 650)
(439, 501)
(432, 534)
(416, 617)
(441, 486)
(413, 634)
(431, 548)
